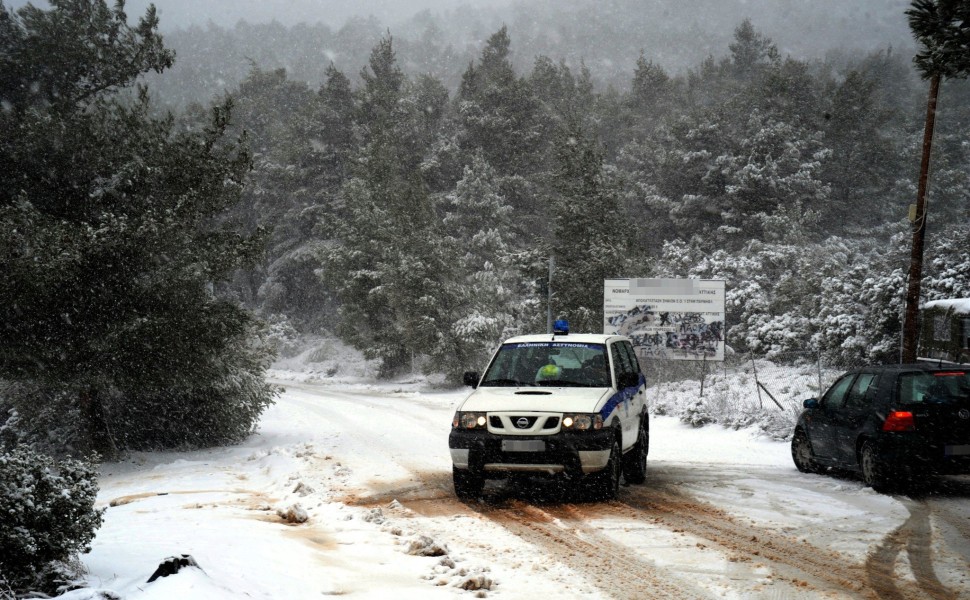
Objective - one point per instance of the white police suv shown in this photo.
(568, 406)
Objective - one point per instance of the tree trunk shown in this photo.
(911, 322)
(99, 433)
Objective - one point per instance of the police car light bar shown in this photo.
(560, 327)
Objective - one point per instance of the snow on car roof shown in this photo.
(582, 338)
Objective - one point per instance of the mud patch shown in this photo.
(312, 536)
(427, 493)
(251, 500)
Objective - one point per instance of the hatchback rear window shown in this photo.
(939, 387)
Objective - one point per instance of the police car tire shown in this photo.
(635, 461)
(605, 484)
(468, 485)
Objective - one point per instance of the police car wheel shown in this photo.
(468, 485)
(605, 484)
(635, 461)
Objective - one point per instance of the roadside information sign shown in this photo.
(672, 319)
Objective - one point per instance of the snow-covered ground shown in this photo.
(724, 514)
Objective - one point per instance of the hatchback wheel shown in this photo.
(875, 472)
(802, 454)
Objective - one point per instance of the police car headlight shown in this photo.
(582, 422)
(469, 420)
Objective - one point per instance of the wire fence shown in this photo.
(742, 390)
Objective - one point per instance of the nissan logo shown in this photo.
(964, 414)
(522, 422)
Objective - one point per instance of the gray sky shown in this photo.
(176, 14)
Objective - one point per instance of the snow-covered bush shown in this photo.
(48, 516)
(698, 414)
(224, 413)
(282, 336)
(740, 393)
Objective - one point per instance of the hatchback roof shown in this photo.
(921, 366)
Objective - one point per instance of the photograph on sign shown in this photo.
(672, 319)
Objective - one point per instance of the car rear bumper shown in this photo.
(920, 455)
(570, 453)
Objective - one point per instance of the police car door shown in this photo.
(624, 409)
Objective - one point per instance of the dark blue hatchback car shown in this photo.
(895, 425)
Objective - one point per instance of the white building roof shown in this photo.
(958, 305)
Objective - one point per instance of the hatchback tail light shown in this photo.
(899, 420)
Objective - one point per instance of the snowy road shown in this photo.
(723, 515)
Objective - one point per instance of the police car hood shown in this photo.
(541, 399)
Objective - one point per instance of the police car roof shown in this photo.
(580, 338)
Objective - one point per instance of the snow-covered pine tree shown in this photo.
(111, 243)
(498, 112)
(591, 240)
(479, 232)
(387, 263)
(864, 163)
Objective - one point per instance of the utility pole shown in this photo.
(941, 30)
(552, 268)
(911, 321)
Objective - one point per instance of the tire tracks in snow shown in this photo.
(916, 536)
(608, 564)
(791, 557)
(797, 561)
(568, 532)
(603, 563)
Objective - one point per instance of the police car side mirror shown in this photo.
(628, 380)
(470, 378)
(811, 403)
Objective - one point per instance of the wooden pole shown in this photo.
(911, 320)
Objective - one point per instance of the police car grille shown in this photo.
(523, 422)
(495, 422)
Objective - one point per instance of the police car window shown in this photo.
(547, 364)
(631, 356)
(620, 365)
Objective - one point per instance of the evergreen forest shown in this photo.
(416, 217)
(172, 222)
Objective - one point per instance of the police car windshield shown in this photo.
(553, 364)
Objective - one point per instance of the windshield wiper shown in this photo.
(563, 383)
(506, 383)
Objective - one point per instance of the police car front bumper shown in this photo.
(572, 453)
